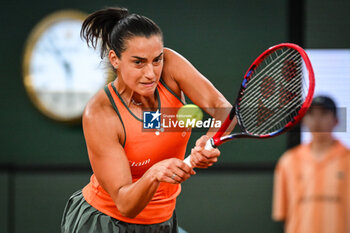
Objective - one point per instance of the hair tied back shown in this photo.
(99, 25)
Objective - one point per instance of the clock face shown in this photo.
(61, 73)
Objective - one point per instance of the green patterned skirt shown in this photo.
(80, 217)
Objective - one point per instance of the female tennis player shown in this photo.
(137, 174)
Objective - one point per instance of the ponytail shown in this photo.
(113, 26)
(100, 24)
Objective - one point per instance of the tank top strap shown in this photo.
(112, 101)
(165, 89)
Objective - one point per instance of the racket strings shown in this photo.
(281, 93)
(276, 114)
(271, 113)
(249, 100)
(279, 120)
(274, 67)
(250, 104)
(275, 90)
(270, 62)
(274, 84)
(279, 117)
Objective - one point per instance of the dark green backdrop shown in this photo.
(221, 39)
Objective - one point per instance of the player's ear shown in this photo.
(113, 59)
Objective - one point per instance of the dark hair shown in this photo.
(325, 103)
(113, 26)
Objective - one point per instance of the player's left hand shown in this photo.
(202, 158)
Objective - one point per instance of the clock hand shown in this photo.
(66, 65)
(68, 68)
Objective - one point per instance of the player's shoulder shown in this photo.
(98, 109)
(173, 60)
(173, 69)
(168, 52)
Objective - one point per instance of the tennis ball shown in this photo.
(189, 111)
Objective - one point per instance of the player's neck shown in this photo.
(134, 100)
(321, 143)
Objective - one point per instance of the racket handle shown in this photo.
(208, 146)
(188, 161)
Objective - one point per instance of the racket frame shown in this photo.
(218, 139)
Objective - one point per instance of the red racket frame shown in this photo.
(218, 139)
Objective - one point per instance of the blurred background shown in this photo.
(43, 161)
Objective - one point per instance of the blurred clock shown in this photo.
(61, 73)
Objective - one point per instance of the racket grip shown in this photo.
(208, 146)
(188, 161)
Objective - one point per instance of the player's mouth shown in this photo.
(148, 84)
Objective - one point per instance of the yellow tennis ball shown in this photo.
(189, 114)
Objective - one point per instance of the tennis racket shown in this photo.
(274, 96)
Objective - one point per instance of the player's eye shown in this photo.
(158, 59)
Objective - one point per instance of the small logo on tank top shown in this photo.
(139, 164)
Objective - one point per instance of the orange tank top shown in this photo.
(143, 149)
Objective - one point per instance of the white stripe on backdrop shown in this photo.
(332, 75)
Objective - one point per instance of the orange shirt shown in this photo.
(143, 149)
(313, 195)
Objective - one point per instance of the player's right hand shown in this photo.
(202, 158)
(173, 171)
